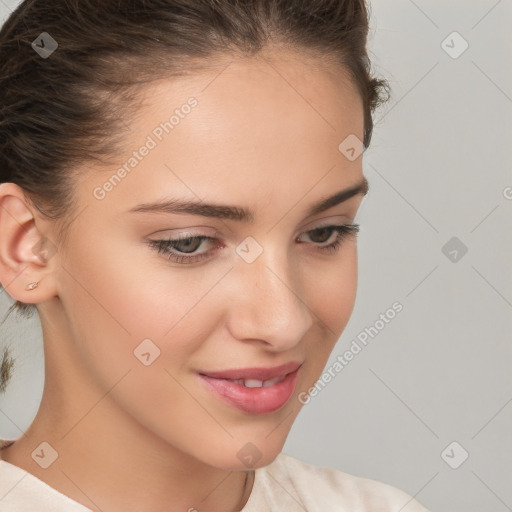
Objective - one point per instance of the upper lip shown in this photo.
(255, 373)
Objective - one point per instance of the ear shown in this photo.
(26, 254)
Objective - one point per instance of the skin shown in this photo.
(264, 136)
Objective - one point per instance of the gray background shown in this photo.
(439, 167)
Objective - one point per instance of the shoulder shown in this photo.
(317, 488)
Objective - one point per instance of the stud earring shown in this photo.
(31, 286)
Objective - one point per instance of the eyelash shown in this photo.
(166, 246)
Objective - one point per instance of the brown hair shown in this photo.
(59, 112)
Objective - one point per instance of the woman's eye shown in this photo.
(184, 249)
(325, 233)
(179, 249)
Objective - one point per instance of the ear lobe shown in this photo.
(24, 250)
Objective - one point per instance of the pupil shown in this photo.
(323, 231)
(194, 242)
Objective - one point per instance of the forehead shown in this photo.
(277, 93)
(257, 124)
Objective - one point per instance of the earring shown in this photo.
(31, 286)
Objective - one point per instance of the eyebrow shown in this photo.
(177, 206)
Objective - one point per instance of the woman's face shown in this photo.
(255, 135)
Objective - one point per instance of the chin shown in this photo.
(238, 455)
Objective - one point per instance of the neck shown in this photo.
(95, 468)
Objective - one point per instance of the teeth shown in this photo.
(250, 383)
(253, 383)
(272, 381)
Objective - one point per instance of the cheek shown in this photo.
(332, 289)
(331, 299)
(115, 298)
(134, 328)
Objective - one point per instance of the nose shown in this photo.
(269, 304)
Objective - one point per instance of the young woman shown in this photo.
(180, 180)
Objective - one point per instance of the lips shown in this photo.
(254, 390)
(261, 374)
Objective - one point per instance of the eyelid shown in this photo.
(208, 231)
(327, 221)
(187, 232)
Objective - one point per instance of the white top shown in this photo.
(285, 485)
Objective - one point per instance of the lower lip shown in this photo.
(254, 400)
